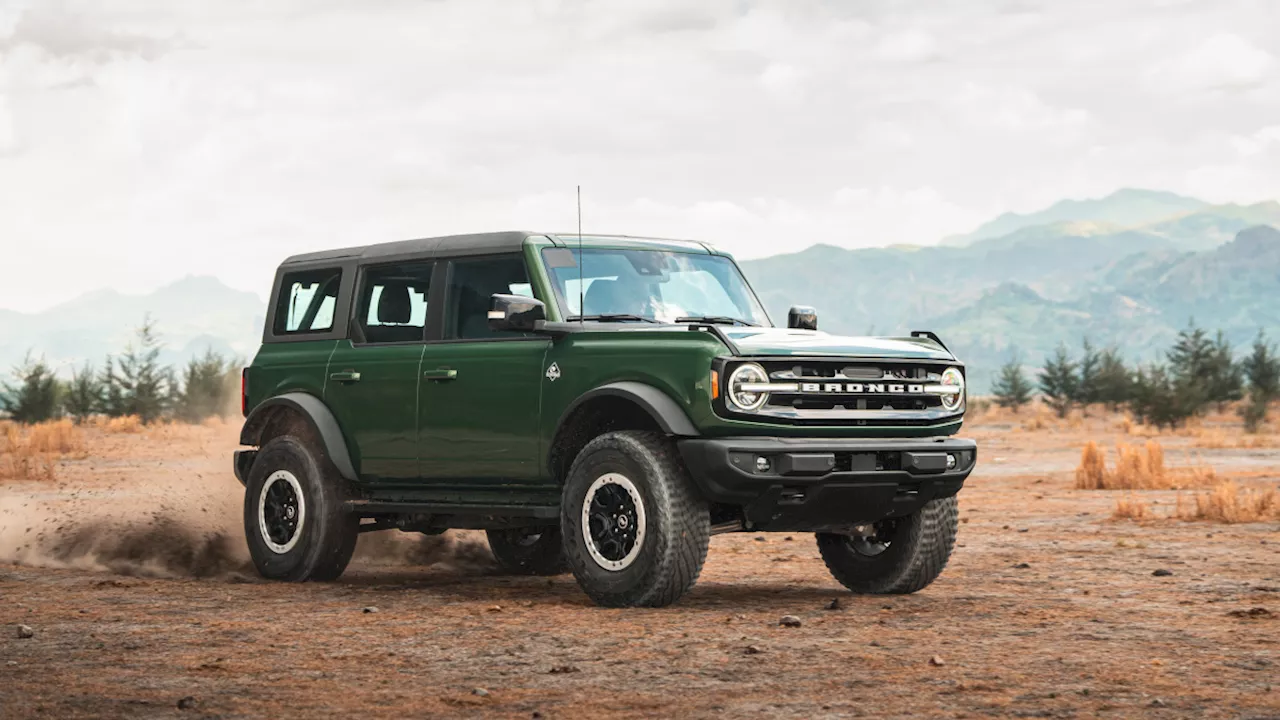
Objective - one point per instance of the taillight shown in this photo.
(244, 392)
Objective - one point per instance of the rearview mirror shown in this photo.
(515, 313)
(802, 317)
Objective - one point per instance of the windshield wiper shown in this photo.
(714, 320)
(610, 317)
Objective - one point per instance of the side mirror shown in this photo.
(802, 317)
(515, 313)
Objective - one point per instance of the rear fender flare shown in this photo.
(318, 416)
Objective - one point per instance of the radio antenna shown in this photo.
(582, 294)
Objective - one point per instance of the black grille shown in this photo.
(829, 403)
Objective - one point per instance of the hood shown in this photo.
(783, 342)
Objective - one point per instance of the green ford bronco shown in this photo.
(600, 405)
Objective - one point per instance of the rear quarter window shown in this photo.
(307, 301)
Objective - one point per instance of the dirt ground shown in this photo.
(130, 571)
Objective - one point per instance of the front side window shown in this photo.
(472, 284)
(393, 302)
(650, 285)
(306, 301)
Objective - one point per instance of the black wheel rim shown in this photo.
(873, 539)
(281, 512)
(614, 522)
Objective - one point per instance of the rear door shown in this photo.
(373, 376)
(478, 414)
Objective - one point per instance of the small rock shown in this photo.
(563, 669)
(789, 621)
(1257, 613)
(536, 715)
(1022, 566)
(1024, 529)
(1162, 573)
(1157, 702)
(480, 692)
(937, 661)
(787, 539)
(370, 610)
(495, 608)
(12, 663)
(25, 631)
(874, 643)
(759, 538)
(752, 650)
(834, 604)
(187, 703)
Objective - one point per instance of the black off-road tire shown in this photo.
(322, 543)
(676, 522)
(920, 547)
(529, 551)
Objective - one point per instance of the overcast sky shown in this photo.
(144, 141)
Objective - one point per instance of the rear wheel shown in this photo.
(635, 528)
(294, 520)
(529, 551)
(894, 555)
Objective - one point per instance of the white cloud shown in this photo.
(1222, 61)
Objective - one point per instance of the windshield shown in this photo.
(653, 285)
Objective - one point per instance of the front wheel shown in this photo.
(896, 555)
(635, 528)
(528, 551)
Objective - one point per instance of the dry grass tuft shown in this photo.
(1137, 468)
(1131, 507)
(57, 436)
(32, 452)
(125, 424)
(1229, 503)
(1092, 473)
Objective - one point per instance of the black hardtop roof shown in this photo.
(473, 243)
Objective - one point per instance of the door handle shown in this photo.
(441, 374)
(345, 376)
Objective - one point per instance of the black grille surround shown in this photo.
(887, 392)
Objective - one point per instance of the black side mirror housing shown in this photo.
(516, 313)
(802, 317)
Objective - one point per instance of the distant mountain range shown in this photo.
(1130, 269)
(1073, 271)
(192, 315)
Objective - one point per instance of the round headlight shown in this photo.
(742, 399)
(952, 377)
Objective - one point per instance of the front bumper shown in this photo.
(821, 485)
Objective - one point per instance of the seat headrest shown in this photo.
(395, 305)
(607, 297)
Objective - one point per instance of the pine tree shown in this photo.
(1191, 368)
(137, 384)
(1090, 367)
(34, 398)
(1224, 381)
(1113, 382)
(112, 400)
(1011, 388)
(1155, 397)
(1058, 382)
(206, 387)
(83, 395)
(1262, 369)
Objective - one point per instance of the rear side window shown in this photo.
(393, 302)
(307, 300)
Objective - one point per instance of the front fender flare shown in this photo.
(666, 412)
(318, 416)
